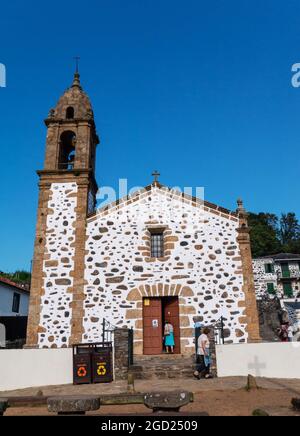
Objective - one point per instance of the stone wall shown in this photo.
(270, 316)
(202, 266)
(121, 350)
(213, 353)
(261, 278)
(58, 267)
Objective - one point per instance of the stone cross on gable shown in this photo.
(156, 175)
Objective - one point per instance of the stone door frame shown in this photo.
(186, 312)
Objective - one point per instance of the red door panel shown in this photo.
(171, 314)
(152, 316)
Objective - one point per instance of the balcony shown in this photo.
(288, 275)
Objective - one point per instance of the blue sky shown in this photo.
(200, 90)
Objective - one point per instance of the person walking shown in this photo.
(169, 337)
(283, 333)
(203, 356)
(290, 333)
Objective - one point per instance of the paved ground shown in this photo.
(218, 397)
(193, 385)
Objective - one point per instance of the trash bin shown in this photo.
(82, 365)
(92, 363)
(102, 365)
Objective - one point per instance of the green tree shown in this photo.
(289, 233)
(264, 234)
(19, 276)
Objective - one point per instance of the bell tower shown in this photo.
(67, 193)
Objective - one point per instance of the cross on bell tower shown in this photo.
(77, 59)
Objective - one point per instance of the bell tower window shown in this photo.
(67, 151)
(70, 113)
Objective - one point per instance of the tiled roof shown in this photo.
(282, 256)
(18, 286)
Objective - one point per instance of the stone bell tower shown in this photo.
(67, 195)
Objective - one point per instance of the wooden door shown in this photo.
(171, 314)
(153, 329)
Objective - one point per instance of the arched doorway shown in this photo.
(156, 311)
(154, 304)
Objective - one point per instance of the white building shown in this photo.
(279, 276)
(14, 304)
(14, 299)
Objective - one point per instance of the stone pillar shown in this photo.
(37, 290)
(121, 349)
(77, 330)
(213, 353)
(243, 239)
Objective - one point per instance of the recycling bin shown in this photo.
(92, 363)
(82, 365)
(102, 365)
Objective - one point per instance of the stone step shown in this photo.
(170, 360)
(162, 357)
(162, 367)
(162, 375)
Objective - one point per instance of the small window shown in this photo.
(269, 268)
(70, 113)
(16, 303)
(271, 288)
(157, 244)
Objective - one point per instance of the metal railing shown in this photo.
(219, 331)
(108, 330)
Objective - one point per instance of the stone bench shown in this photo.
(3, 405)
(168, 401)
(73, 405)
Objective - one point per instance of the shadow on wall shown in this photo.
(256, 367)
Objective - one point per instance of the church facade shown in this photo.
(153, 256)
